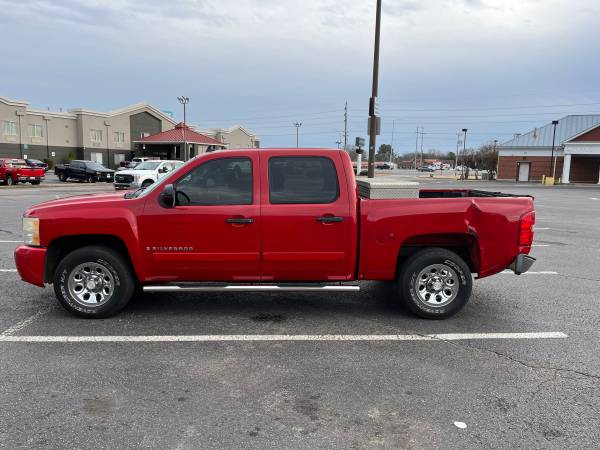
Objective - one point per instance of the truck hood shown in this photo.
(134, 172)
(87, 201)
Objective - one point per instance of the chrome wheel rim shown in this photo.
(437, 285)
(91, 284)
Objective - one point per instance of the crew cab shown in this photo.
(271, 220)
(17, 171)
(144, 174)
(83, 170)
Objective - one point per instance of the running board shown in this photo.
(249, 288)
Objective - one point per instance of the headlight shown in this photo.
(31, 231)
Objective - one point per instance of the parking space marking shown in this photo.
(541, 245)
(8, 270)
(23, 323)
(287, 337)
(10, 242)
(541, 272)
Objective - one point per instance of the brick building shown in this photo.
(527, 157)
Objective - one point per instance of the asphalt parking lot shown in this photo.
(535, 392)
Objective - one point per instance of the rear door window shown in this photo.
(302, 180)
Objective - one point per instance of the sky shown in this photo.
(495, 67)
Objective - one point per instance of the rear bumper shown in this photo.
(521, 264)
(30, 262)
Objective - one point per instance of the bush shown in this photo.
(49, 162)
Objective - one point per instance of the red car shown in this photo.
(14, 171)
(271, 220)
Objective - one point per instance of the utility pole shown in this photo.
(392, 146)
(346, 125)
(464, 130)
(422, 135)
(184, 101)
(374, 120)
(297, 125)
(553, 158)
(416, 147)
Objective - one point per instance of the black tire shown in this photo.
(35, 183)
(421, 297)
(62, 177)
(9, 180)
(123, 285)
(91, 179)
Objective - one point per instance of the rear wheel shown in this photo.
(36, 182)
(435, 283)
(62, 177)
(91, 179)
(94, 282)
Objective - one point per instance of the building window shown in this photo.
(119, 137)
(96, 135)
(35, 130)
(10, 128)
(119, 158)
(96, 156)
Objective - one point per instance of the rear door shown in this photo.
(306, 223)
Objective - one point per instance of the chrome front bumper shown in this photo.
(521, 264)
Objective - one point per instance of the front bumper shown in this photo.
(122, 185)
(31, 263)
(521, 264)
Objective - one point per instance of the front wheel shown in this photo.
(94, 282)
(435, 283)
(91, 179)
(9, 180)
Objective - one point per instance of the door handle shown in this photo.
(239, 220)
(330, 219)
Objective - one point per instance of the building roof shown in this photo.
(175, 136)
(567, 128)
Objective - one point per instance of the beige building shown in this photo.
(106, 137)
(234, 137)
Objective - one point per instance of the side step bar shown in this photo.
(249, 288)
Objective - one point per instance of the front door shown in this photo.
(213, 232)
(306, 221)
(523, 171)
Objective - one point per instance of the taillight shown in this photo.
(526, 229)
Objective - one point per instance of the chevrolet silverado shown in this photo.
(271, 220)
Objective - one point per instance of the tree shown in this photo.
(384, 152)
(488, 159)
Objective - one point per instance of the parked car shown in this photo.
(82, 170)
(37, 164)
(133, 163)
(14, 171)
(144, 174)
(425, 169)
(272, 220)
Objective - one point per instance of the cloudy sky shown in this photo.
(497, 67)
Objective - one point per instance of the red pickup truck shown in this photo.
(271, 220)
(18, 171)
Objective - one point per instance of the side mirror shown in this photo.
(164, 169)
(167, 196)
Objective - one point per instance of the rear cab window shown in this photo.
(302, 180)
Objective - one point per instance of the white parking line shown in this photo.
(542, 272)
(541, 245)
(10, 242)
(288, 337)
(542, 228)
(8, 270)
(594, 198)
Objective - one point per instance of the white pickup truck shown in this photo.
(144, 174)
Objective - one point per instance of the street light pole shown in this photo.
(372, 110)
(184, 101)
(552, 157)
(297, 125)
(464, 130)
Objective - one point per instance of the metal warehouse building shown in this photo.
(528, 157)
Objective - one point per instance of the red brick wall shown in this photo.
(540, 165)
(590, 136)
(584, 169)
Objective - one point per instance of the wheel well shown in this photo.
(464, 245)
(61, 247)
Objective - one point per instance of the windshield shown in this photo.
(145, 191)
(148, 165)
(96, 166)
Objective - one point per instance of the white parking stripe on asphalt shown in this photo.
(287, 337)
(8, 270)
(541, 245)
(23, 323)
(10, 242)
(542, 228)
